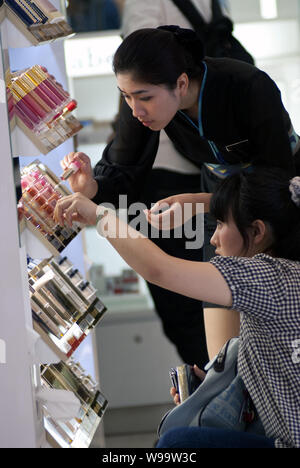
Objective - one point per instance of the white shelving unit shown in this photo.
(21, 348)
(21, 421)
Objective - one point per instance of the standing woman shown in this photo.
(220, 114)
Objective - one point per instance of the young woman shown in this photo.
(256, 272)
(220, 114)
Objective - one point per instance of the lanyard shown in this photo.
(212, 145)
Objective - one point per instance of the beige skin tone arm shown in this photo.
(200, 281)
(168, 219)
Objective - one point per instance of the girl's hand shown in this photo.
(168, 213)
(83, 180)
(175, 395)
(176, 210)
(75, 207)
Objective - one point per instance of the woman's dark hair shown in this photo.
(159, 56)
(262, 193)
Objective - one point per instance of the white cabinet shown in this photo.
(134, 359)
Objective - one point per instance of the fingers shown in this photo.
(64, 209)
(165, 217)
(199, 372)
(79, 156)
(175, 395)
(75, 207)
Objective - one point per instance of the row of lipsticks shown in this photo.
(41, 189)
(40, 18)
(41, 106)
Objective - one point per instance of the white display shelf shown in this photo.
(21, 424)
(16, 33)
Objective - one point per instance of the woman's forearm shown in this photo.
(197, 280)
(198, 198)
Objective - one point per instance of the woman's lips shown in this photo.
(146, 123)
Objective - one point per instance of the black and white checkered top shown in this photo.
(266, 291)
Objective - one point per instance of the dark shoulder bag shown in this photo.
(217, 35)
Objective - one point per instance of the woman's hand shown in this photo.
(198, 372)
(176, 210)
(83, 180)
(75, 207)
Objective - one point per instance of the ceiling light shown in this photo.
(268, 9)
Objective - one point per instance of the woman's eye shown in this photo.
(146, 98)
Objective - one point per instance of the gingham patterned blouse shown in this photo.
(266, 292)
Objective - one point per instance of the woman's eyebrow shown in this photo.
(139, 91)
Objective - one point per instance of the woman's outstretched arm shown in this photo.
(197, 280)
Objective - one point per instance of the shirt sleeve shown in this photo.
(256, 284)
(138, 14)
(269, 124)
(126, 161)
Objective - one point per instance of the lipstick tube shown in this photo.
(43, 84)
(27, 7)
(51, 81)
(29, 100)
(38, 310)
(56, 304)
(34, 86)
(20, 12)
(58, 293)
(25, 119)
(33, 7)
(25, 109)
(73, 167)
(41, 98)
(48, 309)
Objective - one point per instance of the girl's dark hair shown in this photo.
(262, 193)
(159, 56)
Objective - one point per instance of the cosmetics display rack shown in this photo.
(47, 307)
(41, 108)
(78, 431)
(41, 189)
(65, 307)
(38, 20)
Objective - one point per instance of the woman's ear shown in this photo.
(259, 232)
(183, 83)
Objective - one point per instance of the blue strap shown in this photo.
(212, 145)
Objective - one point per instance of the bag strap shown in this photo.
(188, 9)
(216, 9)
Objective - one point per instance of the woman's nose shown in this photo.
(213, 239)
(137, 110)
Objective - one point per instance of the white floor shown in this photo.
(131, 441)
(134, 427)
